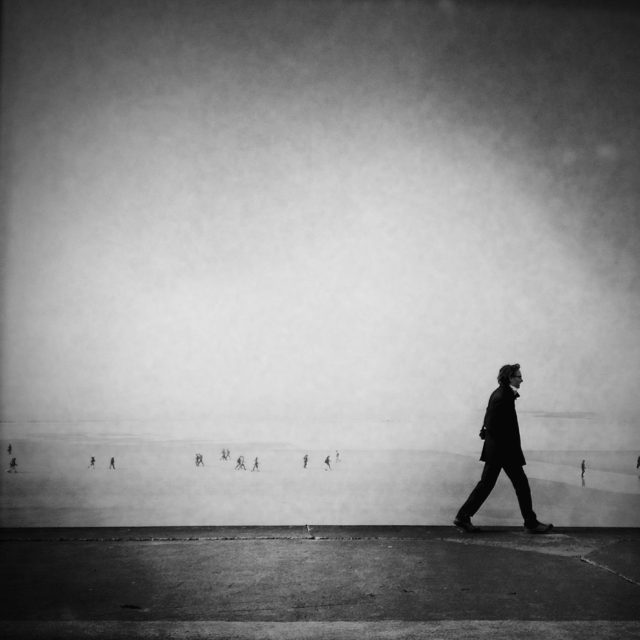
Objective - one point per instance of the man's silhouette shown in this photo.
(502, 450)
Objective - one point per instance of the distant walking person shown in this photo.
(240, 463)
(583, 467)
(112, 464)
(13, 466)
(10, 449)
(305, 460)
(256, 466)
(637, 463)
(327, 461)
(502, 450)
(337, 457)
(92, 463)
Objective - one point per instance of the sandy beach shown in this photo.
(156, 483)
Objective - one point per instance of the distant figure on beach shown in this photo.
(112, 464)
(502, 450)
(13, 466)
(637, 463)
(224, 455)
(337, 457)
(583, 467)
(92, 463)
(256, 466)
(10, 449)
(305, 460)
(327, 461)
(240, 463)
(199, 460)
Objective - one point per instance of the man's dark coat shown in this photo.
(502, 434)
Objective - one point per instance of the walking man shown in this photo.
(502, 450)
(112, 463)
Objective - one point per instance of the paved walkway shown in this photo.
(324, 582)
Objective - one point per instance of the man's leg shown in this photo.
(520, 483)
(481, 491)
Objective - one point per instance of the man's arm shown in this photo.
(498, 415)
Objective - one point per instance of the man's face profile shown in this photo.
(516, 379)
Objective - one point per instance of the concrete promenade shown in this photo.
(319, 582)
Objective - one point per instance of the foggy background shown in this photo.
(320, 222)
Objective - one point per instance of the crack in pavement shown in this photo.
(605, 568)
(551, 544)
(563, 547)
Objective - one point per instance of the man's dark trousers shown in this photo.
(489, 477)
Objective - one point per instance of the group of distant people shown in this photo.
(199, 460)
(13, 464)
(327, 461)
(92, 463)
(240, 465)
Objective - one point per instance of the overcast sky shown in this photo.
(318, 212)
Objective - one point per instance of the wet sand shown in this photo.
(158, 484)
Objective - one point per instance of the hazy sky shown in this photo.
(318, 211)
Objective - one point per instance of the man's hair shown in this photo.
(506, 372)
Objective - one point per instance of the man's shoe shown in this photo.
(539, 527)
(465, 525)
